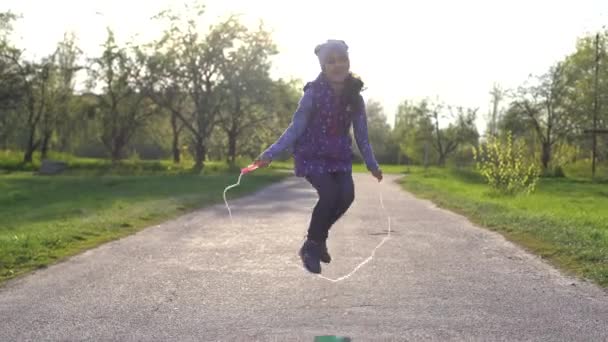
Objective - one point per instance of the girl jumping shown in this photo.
(319, 136)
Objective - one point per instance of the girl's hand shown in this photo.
(377, 174)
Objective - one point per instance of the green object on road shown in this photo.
(332, 339)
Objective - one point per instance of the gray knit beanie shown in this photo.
(322, 50)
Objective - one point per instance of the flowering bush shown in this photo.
(505, 167)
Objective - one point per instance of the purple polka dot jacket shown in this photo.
(318, 135)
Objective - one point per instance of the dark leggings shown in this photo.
(336, 194)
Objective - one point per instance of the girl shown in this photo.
(319, 137)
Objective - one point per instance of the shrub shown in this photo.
(504, 166)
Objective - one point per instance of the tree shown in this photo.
(447, 140)
(35, 80)
(379, 132)
(6, 24)
(60, 116)
(247, 84)
(198, 69)
(123, 106)
(542, 105)
(11, 83)
(284, 96)
(580, 70)
(413, 131)
(40, 89)
(163, 87)
(497, 96)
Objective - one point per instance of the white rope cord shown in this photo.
(370, 257)
(356, 268)
(226, 201)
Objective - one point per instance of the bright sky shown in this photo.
(451, 49)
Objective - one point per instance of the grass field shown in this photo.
(45, 219)
(565, 220)
(11, 161)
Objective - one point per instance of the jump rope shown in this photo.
(254, 167)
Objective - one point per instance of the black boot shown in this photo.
(325, 257)
(310, 253)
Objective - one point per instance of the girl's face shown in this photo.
(337, 67)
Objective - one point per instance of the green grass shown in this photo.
(11, 161)
(564, 221)
(45, 219)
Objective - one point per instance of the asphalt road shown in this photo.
(202, 278)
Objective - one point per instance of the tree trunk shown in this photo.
(426, 154)
(117, 148)
(442, 157)
(44, 148)
(64, 139)
(115, 154)
(63, 144)
(441, 160)
(175, 130)
(199, 155)
(545, 157)
(231, 148)
(31, 146)
(176, 151)
(29, 152)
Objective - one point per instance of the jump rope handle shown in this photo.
(249, 168)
